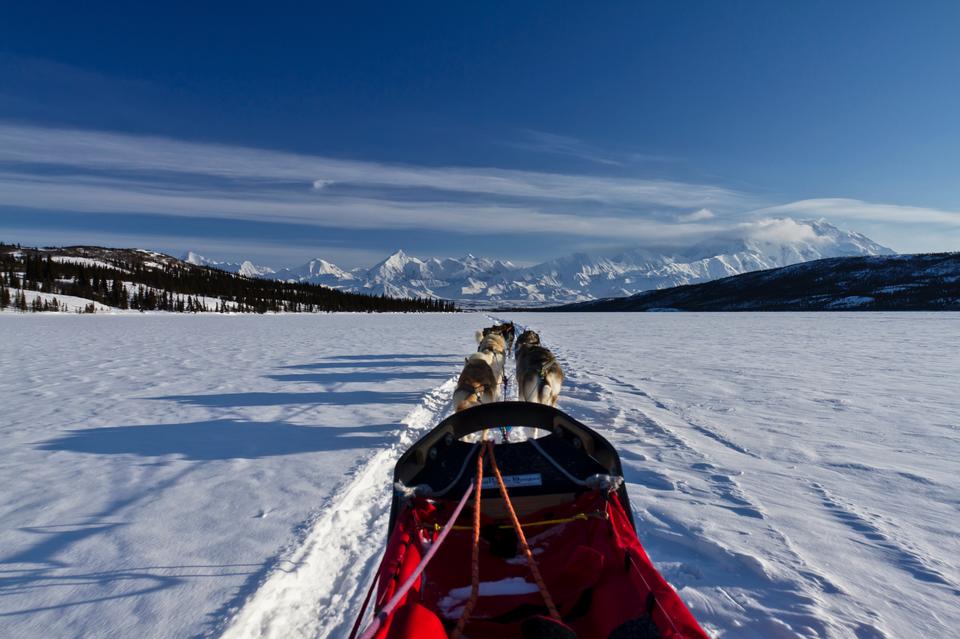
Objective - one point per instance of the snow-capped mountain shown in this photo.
(924, 282)
(317, 272)
(245, 268)
(478, 281)
(401, 275)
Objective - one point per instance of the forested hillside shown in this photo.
(31, 278)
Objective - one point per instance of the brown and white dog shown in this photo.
(477, 384)
(494, 345)
(507, 331)
(539, 376)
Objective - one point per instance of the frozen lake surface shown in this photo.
(792, 475)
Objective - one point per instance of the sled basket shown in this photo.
(569, 500)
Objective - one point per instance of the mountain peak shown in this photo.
(194, 258)
(245, 268)
(320, 266)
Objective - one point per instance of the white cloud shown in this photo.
(780, 230)
(697, 216)
(319, 185)
(837, 208)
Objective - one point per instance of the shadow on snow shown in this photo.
(328, 398)
(41, 566)
(391, 356)
(359, 376)
(378, 364)
(217, 439)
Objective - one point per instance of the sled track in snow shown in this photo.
(315, 587)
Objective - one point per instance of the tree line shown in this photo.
(128, 279)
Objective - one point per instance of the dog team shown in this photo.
(483, 378)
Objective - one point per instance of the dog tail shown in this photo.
(479, 336)
(549, 381)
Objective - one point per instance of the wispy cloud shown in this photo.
(105, 195)
(92, 171)
(127, 153)
(555, 144)
(542, 142)
(697, 216)
(857, 209)
(82, 171)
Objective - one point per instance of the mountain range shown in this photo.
(923, 282)
(479, 281)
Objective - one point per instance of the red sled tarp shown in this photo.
(601, 579)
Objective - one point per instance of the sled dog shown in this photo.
(496, 347)
(528, 338)
(507, 331)
(477, 384)
(539, 376)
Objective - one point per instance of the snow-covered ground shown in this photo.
(69, 303)
(793, 475)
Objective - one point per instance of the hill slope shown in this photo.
(107, 278)
(876, 283)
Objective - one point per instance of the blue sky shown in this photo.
(283, 131)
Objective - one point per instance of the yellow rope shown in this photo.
(475, 552)
(545, 522)
(531, 562)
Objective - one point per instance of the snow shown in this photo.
(85, 261)
(452, 605)
(792, 475)
(245, 268)
(509, 586)
(72, 303)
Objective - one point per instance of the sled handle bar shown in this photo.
(513, 414)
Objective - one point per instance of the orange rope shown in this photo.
(523, 539)
(475, 558)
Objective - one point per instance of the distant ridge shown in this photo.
(923, 282)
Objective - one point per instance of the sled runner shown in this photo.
(551, 552)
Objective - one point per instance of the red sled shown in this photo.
(556, 501)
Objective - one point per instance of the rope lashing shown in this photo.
(474, 551)
(531, 562)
